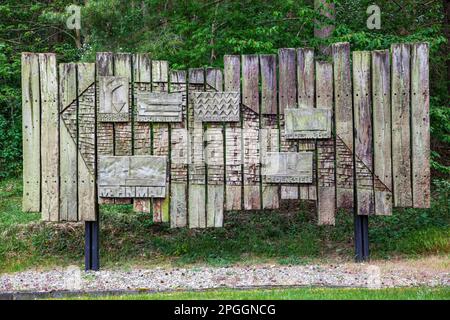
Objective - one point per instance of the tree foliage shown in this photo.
(198, 33)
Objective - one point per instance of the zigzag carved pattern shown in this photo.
(216, 106)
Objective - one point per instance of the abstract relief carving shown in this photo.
(216, 106)
(308, 123)
(288, 167)
(159, 107)
(132, 176)
(114, 105)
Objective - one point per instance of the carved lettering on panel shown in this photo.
(114, 104)
(308, 123)
(159, 107)
(132, 176)
(216, 106)
(287, 167)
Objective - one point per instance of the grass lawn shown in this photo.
(290, 237)
(291, 294)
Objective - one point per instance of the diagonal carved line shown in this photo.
(359, 159)
(87, 88)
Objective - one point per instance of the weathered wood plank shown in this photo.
(269, 134)
(86, 142)
(343, 116)
(381, 96)
(233, 150)
(179, 156)
(420, 125)
(250, 132)
(68, 205)
(326, 184)
(31, 123)
(214, 147)
(142, 66)
(305, 97)
(362, 113)
(287, 97)
(401, 130)
(160, 83)
(197, 178)
(50, 136)
(105, 131)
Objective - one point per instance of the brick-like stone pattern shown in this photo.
(86, 127)
(363, 175)
(142, 137)
(233, 155)
(325, 163)
(251, 145)
(197, 169)
(344, 171)
(214, 155)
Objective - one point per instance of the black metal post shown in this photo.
(361, 227)
(91, 245)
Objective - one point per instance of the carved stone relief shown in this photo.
(114, 103)
(159, 107)
(216, 106)
(308, 123)
(288, 167)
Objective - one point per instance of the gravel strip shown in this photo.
(197, 278)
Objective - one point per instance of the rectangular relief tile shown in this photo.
(287, 167)
(308, 123)
(216, 106)
(159, 107)
(114, 99)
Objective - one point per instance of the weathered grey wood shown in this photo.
(233, 150)
(420, 125)
(50, 136)
(86, 142)
(197, 178)
(343, 115)
(269, 134)
(214, 158)
(363, 140)
(160, 83)
(305, 97)
(287, 97)
(326, 184)
(401, 130)
(250, 132)
(381, 96)
(142, 131)
(31, 123)
(105, 131)
(68, 205)
(179, 156)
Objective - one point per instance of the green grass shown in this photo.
(129, 238)
(290, 294)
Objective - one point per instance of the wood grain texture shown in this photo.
(401, 130)
(233, 149)
(343, 116)
(363, 133)
(197, 177)
(381, 97)
(326, 185)
(287, 98)
(214, 152)
(31, 140)
(269, 134)
(420, 125)
(50, 136)
(68, 205)
(305, 97)
(86, 142)
(250, 132)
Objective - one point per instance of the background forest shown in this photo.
(197, 33)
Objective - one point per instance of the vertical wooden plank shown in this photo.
(86, 142)
(68, 205)
(105, 130)
(160, 83)
(214, 147)
(326, 185)
(49, 135)
(343, 116)
(31, 123)
(233, 149)
(269, 135)
(197, 179)
(420, 125)
(401, 130)
(362, 113)
(305, 98)
(250, 132)
(381, 86)
(179, 157)
(287, 97)
(142, 130)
